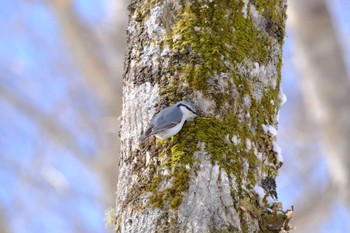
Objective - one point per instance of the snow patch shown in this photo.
(269, 129)
(166, 172)
(280, 158)
(276, 148)
(282, 97)
(270, 200)
(235, 140)
(260, 191)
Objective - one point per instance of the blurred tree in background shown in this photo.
(60, 94)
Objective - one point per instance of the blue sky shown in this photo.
(32, 174)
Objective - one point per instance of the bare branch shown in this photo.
(78, 38)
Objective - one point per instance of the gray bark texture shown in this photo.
(218, 174)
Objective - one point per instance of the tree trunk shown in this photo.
(217, 174)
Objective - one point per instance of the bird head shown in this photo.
(188, 109)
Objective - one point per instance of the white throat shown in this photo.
(187, 114)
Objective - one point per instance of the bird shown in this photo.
(169, 121)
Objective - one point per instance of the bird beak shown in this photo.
(197, 114)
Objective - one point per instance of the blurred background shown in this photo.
(61, 63)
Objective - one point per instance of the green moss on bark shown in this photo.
(274, 12)
(211, 36)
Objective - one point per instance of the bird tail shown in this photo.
(142, 138)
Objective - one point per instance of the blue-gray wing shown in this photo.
(166, 119)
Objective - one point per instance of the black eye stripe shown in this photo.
(187, 108)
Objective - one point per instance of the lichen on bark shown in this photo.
(226, 56)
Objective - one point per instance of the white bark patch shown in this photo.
(166, 51)
(152, 24)
(259, 155)
(139, 102)
(165, 184)
(258, 20)
(271, 74)
(245, 168)
(257, 91)
(205, 105)
(266, 75)
(224, 79)
(245, 8)
(248, 144)
(150, 57)
(148, 158)
(165, 54)
(227, 138)
(177, 37)
(210, 199)
(220, 83)
(247, 101)
(139, 221)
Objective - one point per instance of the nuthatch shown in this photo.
(169, 121)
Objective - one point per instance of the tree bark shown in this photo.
(217, 174)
